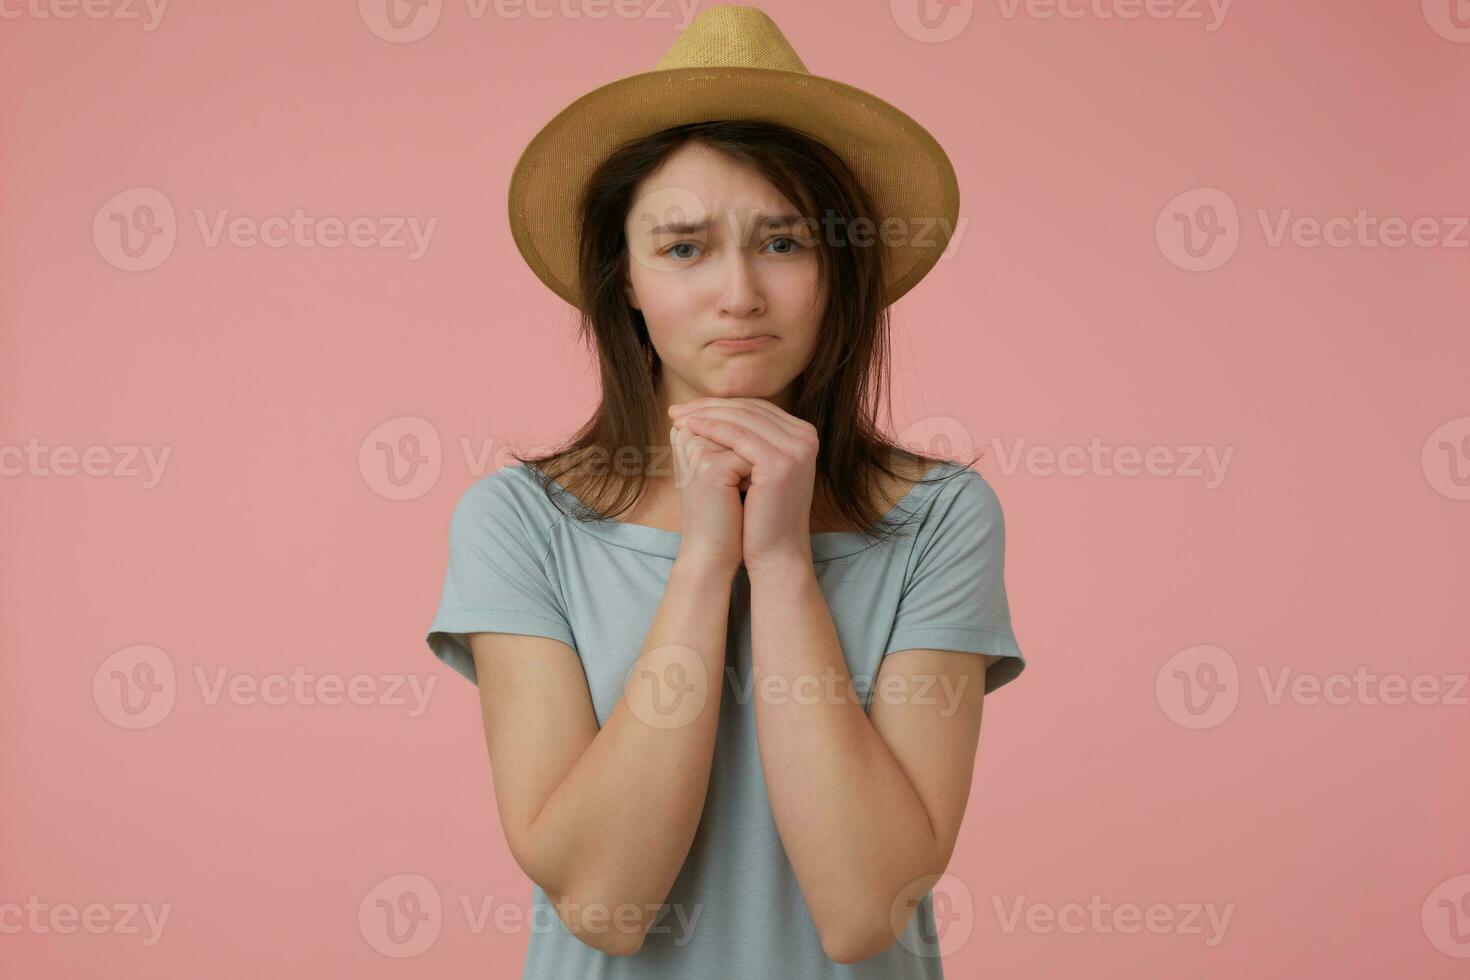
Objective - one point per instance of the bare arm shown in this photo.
(603, 819)
(868, 806)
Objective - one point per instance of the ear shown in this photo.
(631, 296)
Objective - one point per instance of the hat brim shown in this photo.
(902, 166)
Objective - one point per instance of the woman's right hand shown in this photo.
(709, 478)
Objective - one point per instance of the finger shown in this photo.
(757, 422)
(693, 448)
(748, 444)
(761, 405)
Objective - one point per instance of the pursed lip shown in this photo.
(744, 343)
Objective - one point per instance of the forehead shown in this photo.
(695, 181)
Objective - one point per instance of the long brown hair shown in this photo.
(839, 390)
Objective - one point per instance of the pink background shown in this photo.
(276, 539)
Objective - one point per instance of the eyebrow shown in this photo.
(690, 227)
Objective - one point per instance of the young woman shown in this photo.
(731, 643)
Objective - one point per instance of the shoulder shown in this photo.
(956, 497)
(510, 497)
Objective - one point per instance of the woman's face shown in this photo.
(710, 259)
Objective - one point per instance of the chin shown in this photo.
(744, 389)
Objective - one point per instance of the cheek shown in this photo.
(669, 323)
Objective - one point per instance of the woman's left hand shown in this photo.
(782, 451)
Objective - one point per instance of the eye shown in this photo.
(670, 249)
(795, 245)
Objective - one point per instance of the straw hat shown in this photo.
(732, 62)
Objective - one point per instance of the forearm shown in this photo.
(852, 824)
(617, 829)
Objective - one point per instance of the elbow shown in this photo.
(615, 927)
(857, 942)
(610, 942)
(865, 932)
(612, 928)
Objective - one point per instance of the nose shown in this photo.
(741, 295)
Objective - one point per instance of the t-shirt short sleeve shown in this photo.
(955, 596)
(496, 581)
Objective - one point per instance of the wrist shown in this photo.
(705, 567)
(793, 569)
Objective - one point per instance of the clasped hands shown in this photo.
(782, 452)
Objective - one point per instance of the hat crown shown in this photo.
(731, 36)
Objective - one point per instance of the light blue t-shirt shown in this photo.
(517, 564)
